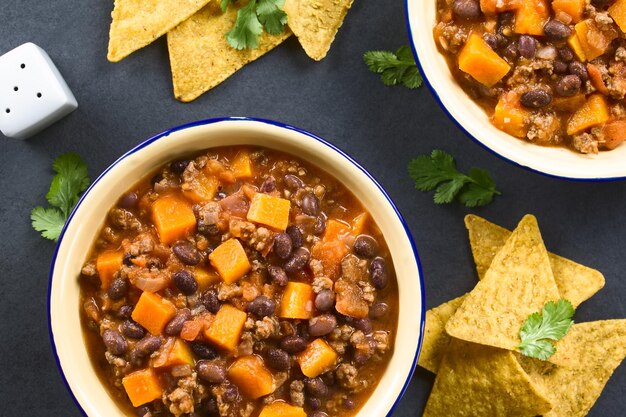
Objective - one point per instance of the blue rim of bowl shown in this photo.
(258, 120)
(464, 130)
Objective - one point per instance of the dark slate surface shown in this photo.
(338, 99)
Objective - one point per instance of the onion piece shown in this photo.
(547, 52)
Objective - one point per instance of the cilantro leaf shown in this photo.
(245, 33)
(538, 330)
(438, 171)
(272, 16)
(224, 5)
(70, 181)
(48, 221)
(395, 69)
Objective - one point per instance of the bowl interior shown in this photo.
(88, 216)
(556, 161)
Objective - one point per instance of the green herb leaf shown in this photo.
(538, 330)
(224, 5)
(272, 16)
(245, 33)
(439, 171)
(395, 69)
(70, 181)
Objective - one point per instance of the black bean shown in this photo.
(316, 387)
(133, 330)
(156, 178)
(278, 359)
(262, 306)
(129, 200)
(292, 182)
(128, 259)
(268, 185)
(361, 357)
(186, 252)
(325, 300)
(600, 3)
(556, 31)
(491, 39)
(220, 195)
(293, 344)
(559, 67)
(295, 234)
(211, 371)
(319, 414)
(209, 406)
(143, 411)
(364, 325)
(527, 46)
(536, 99)
(178, 167)
(566, 54)
(125, 311)
(505, 18)
(320, 225)
(322, 325)
(310, 204)
(203, 350)
(378, 310)
(282, 245)
(579, 69)
(118, 288)
(297, 261)
(313, 402)
(349, 403)
(278, 275)
(210, 301)
(175, 325)
(230, 394)
(365, 246)
(114, 342)
(148, 345)
(510, 51)
(466, 9)
(503, 41)
(185, 282)
(378, 272)
(568, 86)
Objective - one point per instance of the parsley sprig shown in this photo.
(395, 69)
(540, 329)
(70, 181)
(252, 19)
(438, 171)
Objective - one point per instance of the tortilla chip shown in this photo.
(593, 350)
(138, 23)
(200, 56)
(316, 22)
(436, 340)
(518, 283)
(476, 380)
(576, 282)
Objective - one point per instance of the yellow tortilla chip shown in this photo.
(316, 22)
(138, 23)
(576, 282)
(200, 56)
(518, 283)
(436, 340)
(593, 351)
(476, 380)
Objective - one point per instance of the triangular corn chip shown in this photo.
(476, 380)
(316, 22)
(436, 339)
(576, 282)
(517, 284)
(200, 56)
(138, 23)
(593, 351)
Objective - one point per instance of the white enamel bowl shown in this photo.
(553, 161)
(87, 218)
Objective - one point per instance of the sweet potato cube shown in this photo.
(618, 12)
(282, 409)
(330, 253)
(230, 260)
(593, 41)
(573, 8)
(153, 312)
(225, 330)
(251, 376)
(530, 17)
(594, 112)
(107, 264)
(509, 115)
(317, 358)
(574, 43)
(173, 218)
(614, 134)
(569, 104)
(202, 188)
(206, 278)
(242, 166)
(481, 62)
(142, 387)
(191, 329)
(179, 354)
(297, 302)
(270, 211)
(336, 230)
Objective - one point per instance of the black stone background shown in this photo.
(338, 99)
